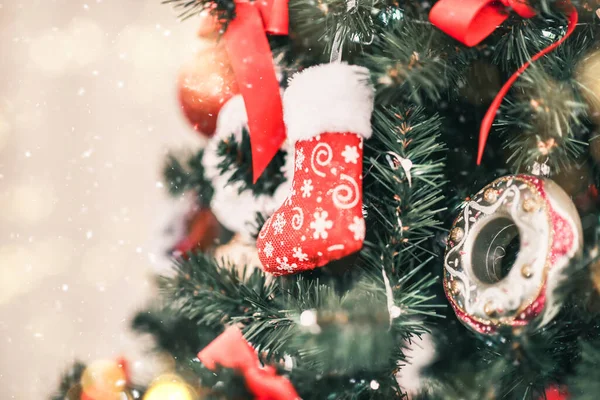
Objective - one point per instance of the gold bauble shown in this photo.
(594, 145)
(588, 77)
(170, 387)
(595, 272)
(104, 380)
(575, 178)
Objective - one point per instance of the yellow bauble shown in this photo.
(170, 387)
(595, 272)
(595, 148)
(588, 77)
(103, 380)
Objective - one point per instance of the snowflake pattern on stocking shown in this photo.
(279, 224)
(307, 188)
(321, 224)
(299, 254)
(357, 227)
(322, 218)
(350, 154)
(283, 265)
(268, 249)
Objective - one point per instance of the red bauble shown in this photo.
(205, 84)
(555, 393)
(202, 231)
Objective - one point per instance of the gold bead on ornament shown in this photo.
(457, 234)
(489, 309)
(454, 287)
(531, 205)
(527, 271)
(490, 195)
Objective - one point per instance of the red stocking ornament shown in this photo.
(327, 110)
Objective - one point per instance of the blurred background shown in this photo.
(87, 111)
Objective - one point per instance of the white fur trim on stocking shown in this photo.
(328, 98)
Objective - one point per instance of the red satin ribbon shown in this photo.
(471, 21)
(252, 63)
(231, 350)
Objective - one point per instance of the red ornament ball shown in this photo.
(201, 233)
(205, 84)
(555, 393)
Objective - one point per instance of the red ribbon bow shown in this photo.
(231, 350)
(471, 21)
(250, 56)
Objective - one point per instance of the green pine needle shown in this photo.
(237, 161)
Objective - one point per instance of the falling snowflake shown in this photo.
(350, 154)
(284, 265)
(358, 228)
(299, 254)
(268, 250)
(279, 224)
(307, 188)
(288, 200)
(321, 224)
(299, 159)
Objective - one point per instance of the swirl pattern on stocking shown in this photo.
(298, 218)
(321, 155)
(322, 220)
(346, 196)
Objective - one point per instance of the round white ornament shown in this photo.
(507, 250)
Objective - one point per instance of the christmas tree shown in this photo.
(397, 199)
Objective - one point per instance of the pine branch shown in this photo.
(585, 383)
(519, 39)
(186, 176)
(406, 66)
(543, 123)
(224, 383)
(211, 294)
(224, 10)
(322, 20)
(354, 331)
(404, 206)
(237, 160)
(465, 381)
(172, 332)
(361, 386)
(69, 387)
(546, 122)
(513, 365)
